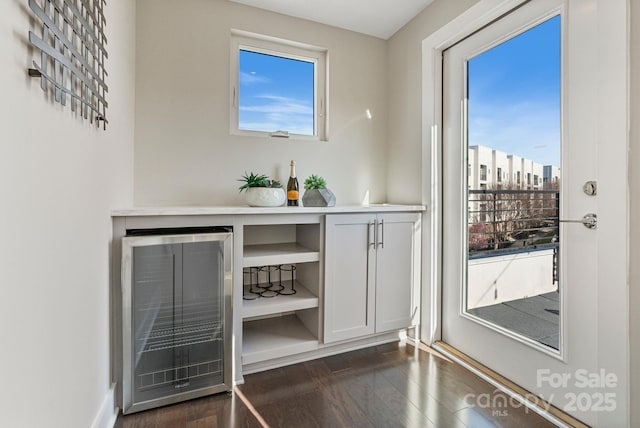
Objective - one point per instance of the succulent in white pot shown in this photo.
(316, 193)
(260, 191)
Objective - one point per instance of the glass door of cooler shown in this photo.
(176, 318)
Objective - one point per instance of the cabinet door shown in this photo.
(397, 270)
(349, 292)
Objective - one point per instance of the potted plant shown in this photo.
(261, 191)
(316, 193)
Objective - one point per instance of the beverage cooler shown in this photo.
(176, 316)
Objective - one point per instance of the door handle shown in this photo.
(590, 221)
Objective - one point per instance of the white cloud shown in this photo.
(280, 104)
(251, 78)
(278, 113)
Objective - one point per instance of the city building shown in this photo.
(495, 169)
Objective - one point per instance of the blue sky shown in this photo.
(514, 95)
(276, 94)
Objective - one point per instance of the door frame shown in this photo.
(612, 52)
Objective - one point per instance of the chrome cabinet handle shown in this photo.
(372, 233)
(590, 221)
(381, 242)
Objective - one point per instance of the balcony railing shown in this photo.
(505, 220)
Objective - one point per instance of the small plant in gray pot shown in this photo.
(260, 191)
(316, 193)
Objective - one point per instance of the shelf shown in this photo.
(186, 335)
(278, 254)
(303, 299)
(177, 375)
(274, 338)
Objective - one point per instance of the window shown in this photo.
(483, 172)
(278, 88)
(499, 175)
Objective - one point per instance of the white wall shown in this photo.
(184, 154)
(497, 279)
(59, 179)
(404, 136)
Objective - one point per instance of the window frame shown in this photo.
(243, 40)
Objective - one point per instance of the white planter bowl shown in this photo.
(265, 196)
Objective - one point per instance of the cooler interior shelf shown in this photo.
(277, 337)
(303, 299)
(180, 374)
(190, 333)
(275, 254)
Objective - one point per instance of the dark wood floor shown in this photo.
(391, 385)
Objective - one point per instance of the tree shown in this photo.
(507, 216)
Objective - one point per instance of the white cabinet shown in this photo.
(397, 271)
(371, 272)
(349, 293)
(370, 257)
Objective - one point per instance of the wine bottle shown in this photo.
(293, 189)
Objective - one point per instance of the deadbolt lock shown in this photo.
(590, 188)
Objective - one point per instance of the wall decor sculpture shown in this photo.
(73, 53)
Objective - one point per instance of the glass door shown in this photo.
(513, 154)
(518, 282)
(176, 318)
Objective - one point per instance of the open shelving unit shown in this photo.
(285, 324)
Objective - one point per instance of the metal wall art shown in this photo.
(73, 54)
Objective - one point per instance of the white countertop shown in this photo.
(236, 210)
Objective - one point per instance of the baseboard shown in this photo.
(541, 407)
(108, 412)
